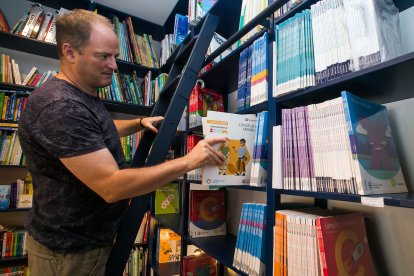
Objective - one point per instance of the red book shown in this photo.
(343, 245)
(199, 265)
(207, 213)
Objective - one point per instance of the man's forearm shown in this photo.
(127, 127)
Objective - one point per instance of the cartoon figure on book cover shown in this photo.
(225, 150)
(241, 157)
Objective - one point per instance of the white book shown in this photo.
(44, 26)
(31, 20)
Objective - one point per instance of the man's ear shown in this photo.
(69, 52)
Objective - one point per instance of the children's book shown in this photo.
(167, 199)
(239, 131)
(343, 245)
(373, 147)
(207, 213)
(169, 246)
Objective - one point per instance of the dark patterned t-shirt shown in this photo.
(61, 121)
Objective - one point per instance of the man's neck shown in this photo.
(67, 77)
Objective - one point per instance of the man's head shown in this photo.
(87, 48)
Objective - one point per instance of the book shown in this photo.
(169, 245)
(167, 199)
(202, 264)
(343, 245)
(373, 147)
(207, 213)
(5, 196)
(240, 132)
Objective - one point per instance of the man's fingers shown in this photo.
(214, 140)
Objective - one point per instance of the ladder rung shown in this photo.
(185, 53)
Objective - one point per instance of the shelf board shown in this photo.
(127, 67)
(12, 210)
(398, 200)
(374, 83)
(23, 89)
(11, 260)
(239, 187)
(13, 167)
(28, 45)
(172, 221)
(167, 268)
(255, 108)
(127, 108)
(220, 248)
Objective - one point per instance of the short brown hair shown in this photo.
(74, 27)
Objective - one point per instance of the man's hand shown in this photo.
(149, 122)
(204, 153)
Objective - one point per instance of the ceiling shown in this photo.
(156, 11)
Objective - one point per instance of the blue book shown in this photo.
(180, 28)
(375, 157)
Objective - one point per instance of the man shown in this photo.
(81, 183)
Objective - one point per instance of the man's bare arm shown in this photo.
(99, 171)
(128, 127)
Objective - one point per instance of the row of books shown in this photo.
(342, 145)
(331, 39)
(320, 242)
(11, 152)
(253, 74)
(11, 270)
(12, 241)
(129, 145)
(250, 9)
(37, 24)
(168, 46)
(133, 47)
(16, 195)
(10, 73)
(12, 104)
(249, 253)
(137, 262)
(286, 8)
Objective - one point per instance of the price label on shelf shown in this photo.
(372, 201)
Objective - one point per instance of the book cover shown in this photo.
(240, 132)
(169, 246)
(373, 147)
(202, 265)
(343, 245)
(5, 196)
(207, 213)
(167, 200)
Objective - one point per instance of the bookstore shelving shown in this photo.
(387, 82)
(383, 83)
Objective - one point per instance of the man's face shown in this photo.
(97, 59)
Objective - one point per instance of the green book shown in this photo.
(167, 199)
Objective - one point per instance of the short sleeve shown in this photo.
(68, 128)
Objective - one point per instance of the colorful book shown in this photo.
(207, 213)
(238, 149)
(167, 199)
